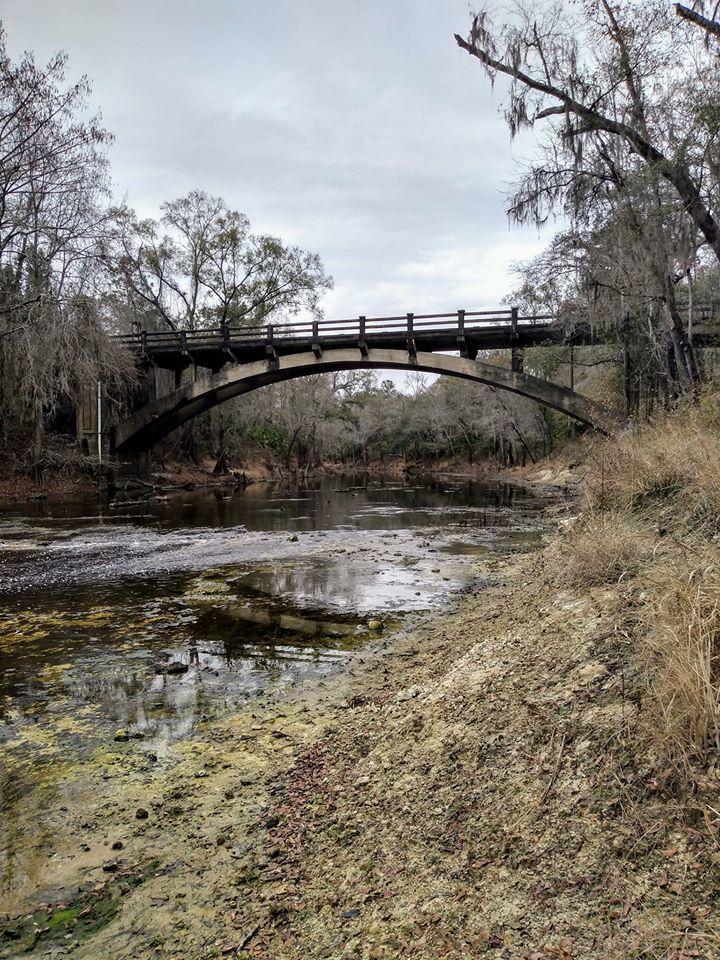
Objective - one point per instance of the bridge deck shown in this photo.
(466, 332)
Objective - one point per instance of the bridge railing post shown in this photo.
(316, 347)
(513, 321)
(270, 351)
(411, 345)
(462, 343)
(362, 342)
(225, 333)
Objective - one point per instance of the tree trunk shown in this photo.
(187, 441)
(684, 353)
(37, 449)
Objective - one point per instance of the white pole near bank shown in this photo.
(99, 421)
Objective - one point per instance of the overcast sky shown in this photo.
(353, 128)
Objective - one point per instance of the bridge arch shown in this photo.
(148, 425)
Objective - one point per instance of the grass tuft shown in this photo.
(651, 517)
(668, 472)
(680, 652)
(601, 548)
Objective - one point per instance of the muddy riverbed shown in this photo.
(129, 630)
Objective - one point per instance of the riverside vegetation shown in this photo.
(533, 774)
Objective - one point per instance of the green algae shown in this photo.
(79, 920)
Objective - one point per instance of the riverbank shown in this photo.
(488, 790)
(532, 772)
(75, 479)
(477, 784)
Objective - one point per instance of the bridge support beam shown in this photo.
(157, 419)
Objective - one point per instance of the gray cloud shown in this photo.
(356, 129)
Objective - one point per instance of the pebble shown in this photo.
(141, 813)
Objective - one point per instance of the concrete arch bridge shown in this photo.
(238, 360)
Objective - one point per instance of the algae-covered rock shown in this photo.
(176, 667)
(122, 735)
(375, 625)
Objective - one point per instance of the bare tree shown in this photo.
(200, 266)
(589, 70)
(53, 191)
(605, 80)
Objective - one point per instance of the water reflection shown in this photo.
(150, 616)
(323, 504)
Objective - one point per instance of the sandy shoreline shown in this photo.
(474, 784)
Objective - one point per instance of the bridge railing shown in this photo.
(459, 322)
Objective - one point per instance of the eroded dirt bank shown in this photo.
(475, 785)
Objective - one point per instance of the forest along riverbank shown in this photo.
(163, 663)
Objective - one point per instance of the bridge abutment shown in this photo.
(92, 423)
(95, 419)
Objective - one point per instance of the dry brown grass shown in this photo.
(669, 471)
(652, 516)
(679, 648)
(601, 548)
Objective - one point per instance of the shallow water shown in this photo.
(144, 619)
(149, 616)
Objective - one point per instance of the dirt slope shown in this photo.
(485, 791)
(476, 786)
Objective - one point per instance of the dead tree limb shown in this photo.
(708, 25)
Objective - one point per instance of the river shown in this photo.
(140, 620)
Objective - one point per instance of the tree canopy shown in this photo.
(200, 265)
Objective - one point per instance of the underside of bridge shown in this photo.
(154, 421)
